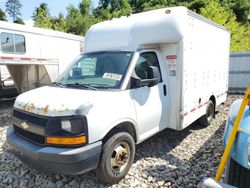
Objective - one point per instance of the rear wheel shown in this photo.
(208, 117)
(117, 157)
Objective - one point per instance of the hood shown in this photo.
(56, 101)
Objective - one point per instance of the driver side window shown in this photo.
(146, 60)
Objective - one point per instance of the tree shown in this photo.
(2, 15)
(19, 21)
(41, 16)
(115, 8)
(226, 17)
(13, 8)
(84, 7)
(59, 23)
(241, 8)
(75, 21)
(101, 14)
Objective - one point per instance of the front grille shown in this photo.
(238, 175)
(35, 119)
(34, 138)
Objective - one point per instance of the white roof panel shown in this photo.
(132, 32)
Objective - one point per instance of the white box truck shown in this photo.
(139, 75)
(33, 56)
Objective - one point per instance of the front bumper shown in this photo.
(53, 159)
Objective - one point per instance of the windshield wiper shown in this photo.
(78, 85)
(57, 84)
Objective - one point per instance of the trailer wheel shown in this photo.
(208, 117)
(116, 158)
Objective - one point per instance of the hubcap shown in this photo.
(120, 157)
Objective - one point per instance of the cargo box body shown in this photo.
(194, 53)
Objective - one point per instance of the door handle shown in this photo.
(164, 90)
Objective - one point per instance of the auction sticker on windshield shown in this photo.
(112, 76)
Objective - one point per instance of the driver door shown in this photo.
(151, 102)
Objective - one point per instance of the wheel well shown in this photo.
(122, 127)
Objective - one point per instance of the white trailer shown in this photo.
(139, 75)
(34, 56)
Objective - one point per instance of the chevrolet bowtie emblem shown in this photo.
(24, 125)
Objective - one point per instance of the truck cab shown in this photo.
(127, 90)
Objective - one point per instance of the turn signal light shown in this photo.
(66, 140)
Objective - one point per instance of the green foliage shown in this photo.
(75, 21)
(59, 23)
(241, 8)
(121, 8)
(226, 17)
(41, 16)
(112, 9)
(13, 8)
(102, 14)
(19, 21)
(2, 15)
(84, 7)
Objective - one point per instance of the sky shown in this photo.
(55, 6)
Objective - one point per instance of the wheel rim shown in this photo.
(120, 157)
(210, 113)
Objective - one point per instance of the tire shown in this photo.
(210, 113)
(116, 158)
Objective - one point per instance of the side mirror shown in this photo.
(135, 82)
(154, 77)
(154, 73)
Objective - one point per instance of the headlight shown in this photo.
(66, 125)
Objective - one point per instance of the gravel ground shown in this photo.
(168, 159)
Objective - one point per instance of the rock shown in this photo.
(144, 175)
(24, 172)
(59, 184)
(73, 183)
(161, 183)
(23, 183)
(50, 184)
(57, 177)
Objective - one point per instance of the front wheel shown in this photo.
(116, 158)
(208, 117)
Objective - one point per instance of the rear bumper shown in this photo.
(53, 159)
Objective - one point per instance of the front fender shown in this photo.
(118, 122)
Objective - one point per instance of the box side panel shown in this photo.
(205, 68)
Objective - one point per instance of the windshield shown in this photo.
(97, 70)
